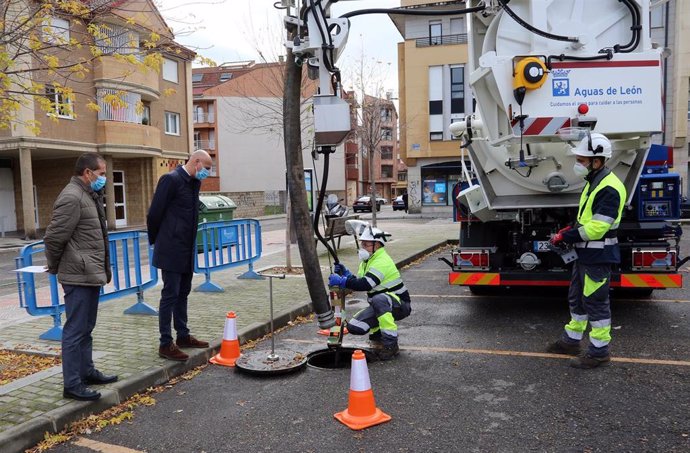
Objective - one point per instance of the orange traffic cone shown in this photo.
(230, 347)
(361, 410)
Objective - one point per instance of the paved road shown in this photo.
(471, 377)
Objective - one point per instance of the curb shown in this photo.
(28, 434)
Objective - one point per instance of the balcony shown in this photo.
(205, 144)
(441, 40)
(128, 134)
(203, 117)
(351, 172)
(109, 72)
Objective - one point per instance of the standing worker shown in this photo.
(76, 248)
(388, 298)
(172, 226)
(594, 238)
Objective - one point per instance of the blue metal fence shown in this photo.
(132, 274)
(226, 244)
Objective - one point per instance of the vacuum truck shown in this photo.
(546, 74)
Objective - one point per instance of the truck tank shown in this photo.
(536, 96)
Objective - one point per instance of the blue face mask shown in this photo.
(202, 174)
(98, 184)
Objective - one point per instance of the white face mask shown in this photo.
(580, 170)
(363, 254)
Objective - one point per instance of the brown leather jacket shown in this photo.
(76, 240)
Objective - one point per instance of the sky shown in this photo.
(232, 30)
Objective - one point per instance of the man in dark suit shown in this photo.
(172, 226)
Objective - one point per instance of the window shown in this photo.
(457, 90)
(434, 191)
(386, 152)
(170, 70)
(436, 103)
(197, 78)
(402, 176)
(61, 104)
(656, 17)
(117, 39)
(56, 31)
(386, 133)
(115, 105)
(386, 115)
(435, 32)
(146, 114)
(386, 171)
(224, 77)
(172, 123)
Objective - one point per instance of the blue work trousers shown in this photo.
(173, 305)
(81, 309)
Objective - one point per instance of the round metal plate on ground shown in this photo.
(263, 363)
(336, 358)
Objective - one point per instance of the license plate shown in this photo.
(541, 246)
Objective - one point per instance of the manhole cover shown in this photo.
(265, 363)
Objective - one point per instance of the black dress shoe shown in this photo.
(98, 378)
(81, 393)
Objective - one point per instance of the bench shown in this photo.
(335, 229)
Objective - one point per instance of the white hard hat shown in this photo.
(374, 234)
(593, 145)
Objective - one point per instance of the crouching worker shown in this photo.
(389, 300)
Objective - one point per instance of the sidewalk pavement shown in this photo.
(127, 345)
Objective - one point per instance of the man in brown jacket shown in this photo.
(76, 246)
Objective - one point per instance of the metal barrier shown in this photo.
(127, 267)
(225, 244)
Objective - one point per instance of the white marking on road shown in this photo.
(542, 355)
(103, 447)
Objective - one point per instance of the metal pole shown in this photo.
(272, 356)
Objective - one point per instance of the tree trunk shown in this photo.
(298, 194)
(374, 203)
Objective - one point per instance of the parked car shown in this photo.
(381, 200)
(398, 203)
(363, 204)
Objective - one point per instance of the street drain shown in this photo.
(335, 358)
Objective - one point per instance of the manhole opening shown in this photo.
(335, 359)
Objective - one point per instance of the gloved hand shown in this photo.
(337, 280)
(340, 269)
(558, 237)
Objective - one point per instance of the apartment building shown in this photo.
(434, 92)
(144, 136)
(237, 111)
(385, 156)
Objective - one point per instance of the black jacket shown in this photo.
(172, 221)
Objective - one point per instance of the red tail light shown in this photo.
(476, 259)
(661, 260)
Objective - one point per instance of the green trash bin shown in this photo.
(213, 208)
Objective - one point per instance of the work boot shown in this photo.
(376, 340)
(172, 352)
(387, 353)
(563, 347)
(587, 361)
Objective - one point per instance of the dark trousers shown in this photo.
(588, 299)
(173, 306)
(81, 309)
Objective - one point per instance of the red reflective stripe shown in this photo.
(604, 64)
(538, 125)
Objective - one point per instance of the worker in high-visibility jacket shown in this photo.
(389, 299)
(594, 238)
